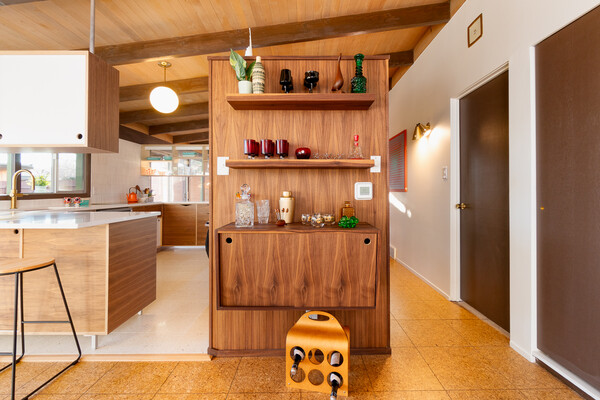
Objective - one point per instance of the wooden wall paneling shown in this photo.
(103, 105)
(179, 225)
(132, 269)
(83, 275)
(315, 190)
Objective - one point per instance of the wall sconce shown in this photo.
(163, 98)
(421, 131)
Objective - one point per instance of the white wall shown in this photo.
(444, 71)
(112, 175)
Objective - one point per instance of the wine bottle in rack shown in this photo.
(298, 354)
(335, 381)
(336, 359)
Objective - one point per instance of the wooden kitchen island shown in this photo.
(107, 264)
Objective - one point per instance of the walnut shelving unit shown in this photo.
(250, 316)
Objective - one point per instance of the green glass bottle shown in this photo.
(359, 82)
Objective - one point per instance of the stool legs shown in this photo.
(19, 301)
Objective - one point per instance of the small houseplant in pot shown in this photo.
(242, 72)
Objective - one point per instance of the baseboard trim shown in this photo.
(281, 352)
(112, 357)
(578, 383)
(421, 277)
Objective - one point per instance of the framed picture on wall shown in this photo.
(398, 163)
(475, 30)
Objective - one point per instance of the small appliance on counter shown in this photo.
(132, 196)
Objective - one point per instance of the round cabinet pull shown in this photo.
(79, 136)
(367, 241)
(0, 136)
(16, 231)
(228, 240)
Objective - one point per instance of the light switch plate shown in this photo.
(222, 169)
(377, 167)
(363, 191)
(445, 173)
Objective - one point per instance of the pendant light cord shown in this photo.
(92, 25)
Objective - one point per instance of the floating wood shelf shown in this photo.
(289, 163)
(301, 101)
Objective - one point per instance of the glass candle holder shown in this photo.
(306, 219)
(329, 218)
(317, 220)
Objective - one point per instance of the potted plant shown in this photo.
(242, 72)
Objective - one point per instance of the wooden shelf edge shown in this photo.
(301, 101)
(295, 163)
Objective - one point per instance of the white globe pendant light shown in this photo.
(162, 98)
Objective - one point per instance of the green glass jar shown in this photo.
(359, 82)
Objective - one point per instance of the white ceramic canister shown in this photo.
(286, 206)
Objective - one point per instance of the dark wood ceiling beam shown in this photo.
(194, 137)
(274, 35)
(199, 110)
(179, 127)
(131, 135)
(182, 86)
(401, 59)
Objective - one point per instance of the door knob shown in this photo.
(461, 206)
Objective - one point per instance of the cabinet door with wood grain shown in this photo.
(179, 225)
(202, 215)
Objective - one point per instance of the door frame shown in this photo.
(455, 178)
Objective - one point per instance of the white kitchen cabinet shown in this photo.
(58, 101)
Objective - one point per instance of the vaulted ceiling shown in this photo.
(134, 34)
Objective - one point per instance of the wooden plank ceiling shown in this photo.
(133, 34)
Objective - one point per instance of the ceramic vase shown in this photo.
(244, 87)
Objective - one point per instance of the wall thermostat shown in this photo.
(363, 191)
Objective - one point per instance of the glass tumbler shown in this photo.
(262, 211)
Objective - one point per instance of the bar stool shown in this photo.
(18, 267)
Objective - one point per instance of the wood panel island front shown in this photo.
(107, 264)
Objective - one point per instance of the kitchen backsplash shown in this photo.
(114, 174)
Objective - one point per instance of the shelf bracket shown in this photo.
(222, 169)
(377, 167)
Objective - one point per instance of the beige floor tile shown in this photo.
(413, 310)
(402, 395)
(478, 333)
(398, 337)
(405, 369)
(26, 371)
(449, 310)
(202, 377)
(518, 370)
(265, 396)
(432, 333)
(116, 396)
(260, 375)
(486, 395)
(43, 396)
(209, 396)
(133, 378)
(77, 379)
(359, 377)
(426, 293)
(463, 368)
(551, 394)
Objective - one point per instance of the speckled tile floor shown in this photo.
(439, 351)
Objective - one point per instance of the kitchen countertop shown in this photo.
(94, 207)
(66, 220)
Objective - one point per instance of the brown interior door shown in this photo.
(484, 223)
(568, 196)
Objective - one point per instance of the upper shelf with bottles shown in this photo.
(301, 101)
(161, 160)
